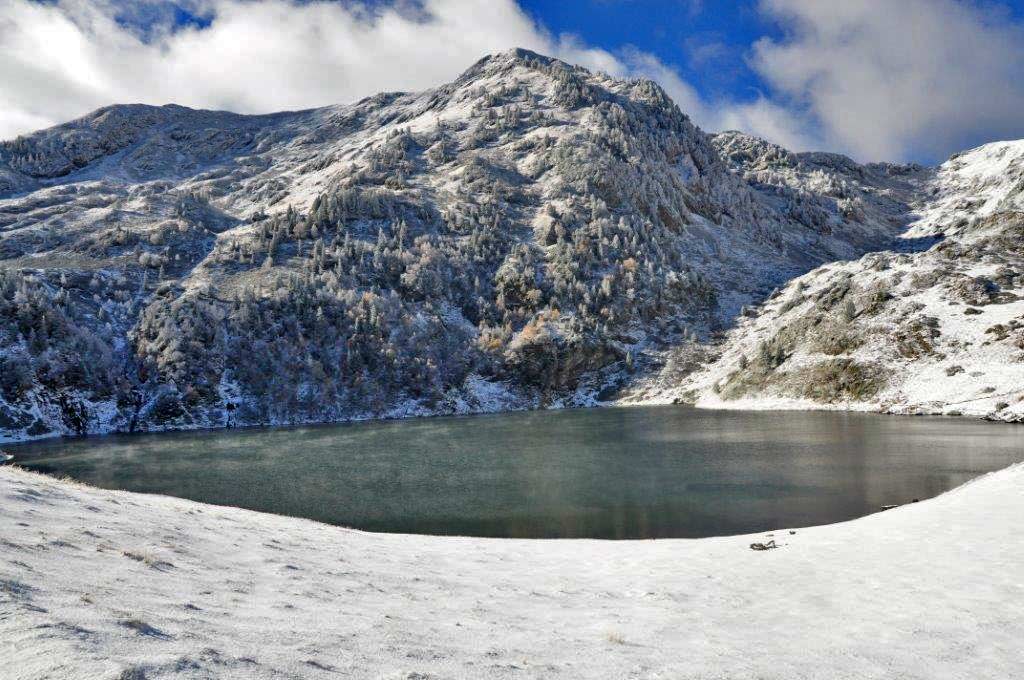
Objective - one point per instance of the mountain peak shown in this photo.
(498, 62)
(521, 55)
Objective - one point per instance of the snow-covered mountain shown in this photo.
(934, 325)
(529, 235)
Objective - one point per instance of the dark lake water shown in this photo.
(602, 473)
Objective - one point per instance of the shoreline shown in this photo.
(760, 405)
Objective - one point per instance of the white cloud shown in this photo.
(641, 64)
(760, 117)
(765, 118)
(61, 60)
(874, 78)
(907, 79)
(64, 59)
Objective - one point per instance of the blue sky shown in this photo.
(709, 42)
(911, 80)
(706, 42)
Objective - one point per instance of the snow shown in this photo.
(746, 217)
(183, 185)
(991, 372)
(119, 585)
(971, 365)
(980, 182)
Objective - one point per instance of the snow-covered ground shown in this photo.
(100, 584)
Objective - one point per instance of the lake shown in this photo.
(649, 472)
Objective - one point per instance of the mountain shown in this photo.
(530, 235)
(933, 326)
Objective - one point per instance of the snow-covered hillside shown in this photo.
(101, 584)
(529, 235)
(935, 325)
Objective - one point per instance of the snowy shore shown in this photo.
(100, 584)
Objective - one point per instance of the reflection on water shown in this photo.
(605, 473)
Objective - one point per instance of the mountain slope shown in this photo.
(529, 235)
(937, 328)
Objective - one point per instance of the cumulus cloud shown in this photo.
(761, 117)
(60, 60)
(914, 79)
(788, 126)
(63, 59)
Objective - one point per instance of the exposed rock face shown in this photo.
(531, 234)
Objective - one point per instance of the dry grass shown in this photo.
(142, 628)
(149, 559)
